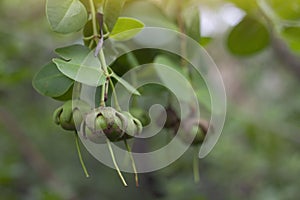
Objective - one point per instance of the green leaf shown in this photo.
(149, 14)
(66, 16)
(248, 37)
(80, 64)
(49, 81)
(66, 96)
(126, 28)
(129, 87)
(112, 10)
(169, 61)
(76, 52)
(173, 79)
(191, 18)
(291, 36)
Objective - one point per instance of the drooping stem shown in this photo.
(115, 95)
(80, 156)
(101, 54)
(132, 163)
(115, 163)
(196, 166)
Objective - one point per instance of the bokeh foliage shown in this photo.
(257, 156)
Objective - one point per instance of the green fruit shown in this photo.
(106, 122)
(70, 115)
(134, 126)
(141, 115)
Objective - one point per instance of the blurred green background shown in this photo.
(257, 156)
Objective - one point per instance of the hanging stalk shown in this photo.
(115, 95)
(80, 156)
(132, 163)
(115, 163)
(196, 166)
(104, 68)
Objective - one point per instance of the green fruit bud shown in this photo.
(134, 126)
(70, 114)
(141, 115)
(101, 123)
(106, 122)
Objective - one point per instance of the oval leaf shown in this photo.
(170, 61)
(66, 16)
(75, 52)
(66, 96)
(126, 28)
(49, 81)
(80, 64)
(248, 37)
(112, 10)
(172, 79)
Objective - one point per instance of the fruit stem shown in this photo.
(115, 95)
(80, 156)
(101, 54)
(115, 163)
(132, 163)
(196, 166)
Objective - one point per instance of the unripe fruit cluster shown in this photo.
(97, 124)
(106, 122)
